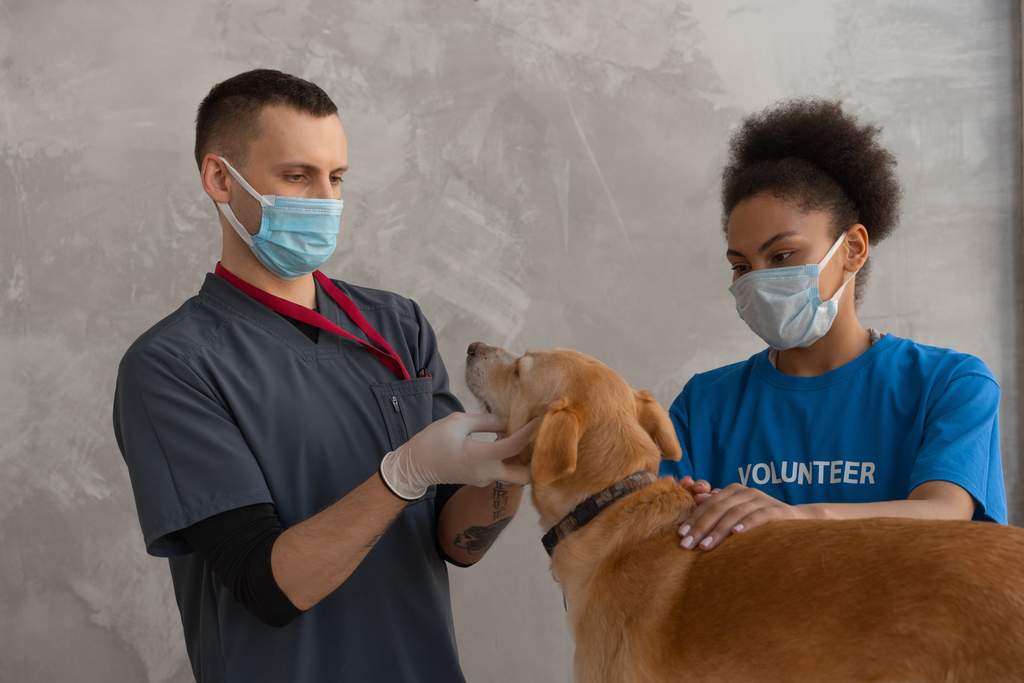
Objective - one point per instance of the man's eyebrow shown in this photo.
(309, 167)
(767, 245)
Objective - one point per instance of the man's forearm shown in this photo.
(311, 559)
(473, 519)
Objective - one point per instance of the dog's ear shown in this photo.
(554, 451)
(655, 421)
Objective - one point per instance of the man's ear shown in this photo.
(655, 421)
(214, 175)
(554, 451)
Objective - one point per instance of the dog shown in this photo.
(795, 601)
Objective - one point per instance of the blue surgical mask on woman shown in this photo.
(297, 234)
(782, 305)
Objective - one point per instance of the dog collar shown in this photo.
(588, 509)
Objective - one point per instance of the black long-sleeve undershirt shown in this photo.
(236, 544)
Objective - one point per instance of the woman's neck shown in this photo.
(845, 341)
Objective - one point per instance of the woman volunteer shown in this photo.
(832, 421)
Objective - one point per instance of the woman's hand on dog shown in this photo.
(700, 488)
(721, 512)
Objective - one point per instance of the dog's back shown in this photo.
(858, 600)
(822, 601)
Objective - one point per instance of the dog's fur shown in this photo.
(859, 600)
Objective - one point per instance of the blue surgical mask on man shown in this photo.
(297, 234)
(782, 305)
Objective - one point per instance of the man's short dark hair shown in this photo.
(228, 118)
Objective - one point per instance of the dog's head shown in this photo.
(595, 430)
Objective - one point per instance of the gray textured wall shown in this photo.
(534, 173)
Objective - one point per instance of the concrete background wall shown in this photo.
(534, 174)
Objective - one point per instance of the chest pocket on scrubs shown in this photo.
(407, 407)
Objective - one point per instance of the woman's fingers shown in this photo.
(698, 486)
(701, 497)
(737, 519)
(733, 510)
(708, 514)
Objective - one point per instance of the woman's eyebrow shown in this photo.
(767, 245)
(773, 240)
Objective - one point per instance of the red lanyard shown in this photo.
(388, 356)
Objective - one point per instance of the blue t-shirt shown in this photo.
(872, 430)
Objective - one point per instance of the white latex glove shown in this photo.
(445, 453)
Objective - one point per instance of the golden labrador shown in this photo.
(821, 601)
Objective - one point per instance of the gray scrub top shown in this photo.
(224, 403)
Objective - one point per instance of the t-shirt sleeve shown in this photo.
(680, 415)
(961, 444)
(186, 456)
(444, 401)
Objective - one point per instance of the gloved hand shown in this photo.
(445, 453)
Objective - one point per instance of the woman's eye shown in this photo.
(739, 268)
(778, 258)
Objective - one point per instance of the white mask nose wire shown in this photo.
(824, 262)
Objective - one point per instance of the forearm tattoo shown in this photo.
(499, 500)
(478, 539)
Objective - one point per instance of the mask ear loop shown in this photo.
(824, 262)
(226, 208)
(821, 264)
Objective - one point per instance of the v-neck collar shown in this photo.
(220, 289)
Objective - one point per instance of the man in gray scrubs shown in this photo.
(293, 445)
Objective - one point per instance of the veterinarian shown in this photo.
(294, 448)
(832, 420)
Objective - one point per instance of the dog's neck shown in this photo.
(635, 454)
(586, 511)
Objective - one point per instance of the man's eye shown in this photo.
(336, 179)
(294, 178)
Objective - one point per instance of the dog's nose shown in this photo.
(471, 351)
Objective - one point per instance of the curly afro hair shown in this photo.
(808, 151)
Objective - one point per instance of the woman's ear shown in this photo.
(857, 246)
(655, 421)
(554, 451)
